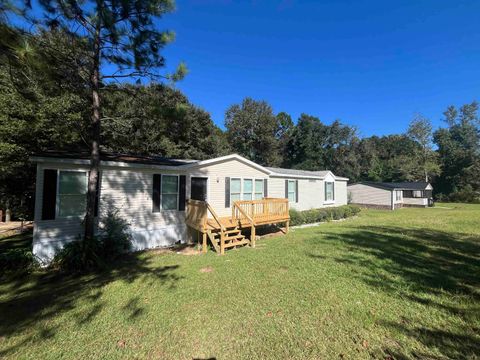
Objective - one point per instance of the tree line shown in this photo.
(46, 104)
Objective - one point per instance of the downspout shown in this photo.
(393, 205)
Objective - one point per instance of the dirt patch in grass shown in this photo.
(206, 269)
(184, 249)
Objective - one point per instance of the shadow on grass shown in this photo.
(43, 296)
(17, 241)
(416, 264)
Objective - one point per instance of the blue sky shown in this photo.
(372, 64)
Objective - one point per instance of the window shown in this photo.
(418, 194)
(72, 193)
(258, 189)
(247, 189)
(329, 191)
(169, 192)
(398, 195)
(291, 191)
(235, 190)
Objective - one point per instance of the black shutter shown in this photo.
(49, 194)
(333, 191)
(227, 192)
(325, 191)
(286, 189)
(97, 194)
(157, 183)
(296, 191)
(182, 194)
(265, 187)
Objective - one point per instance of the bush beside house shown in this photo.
(322, 215)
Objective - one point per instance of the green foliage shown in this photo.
(296, 217)
(37, 114)
(79, 256)
(115, 236)
(425, 161)
(313, 145)
(85, 255)
(323, 214)
(459, 153)
(17, 261)
(253, 131)
(158, 120)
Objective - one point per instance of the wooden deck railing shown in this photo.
(196, 214)
(261, 211)
(245, 213)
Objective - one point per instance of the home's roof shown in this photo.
(107, 156)
(296, 172)
(420, 185)
(83, 157)
(303, 173)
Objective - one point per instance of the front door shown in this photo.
(198, 188)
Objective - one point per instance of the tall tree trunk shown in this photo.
(95, 144)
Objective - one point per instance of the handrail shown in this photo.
(260, 201)
(215, 216)
(244, 213)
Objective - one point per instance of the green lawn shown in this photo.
(403, 284)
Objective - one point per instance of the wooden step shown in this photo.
(214, 242)
(237, 243)
(231, 231)
(236, 237)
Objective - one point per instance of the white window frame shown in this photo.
(294, 190)
(57, 195)
(178, 192)
(329, 201)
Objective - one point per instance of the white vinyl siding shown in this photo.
(71, 193)
(368, 195)
(311, 193)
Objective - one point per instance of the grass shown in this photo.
(403, 284)
(11, 241)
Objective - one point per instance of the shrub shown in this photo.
(296, 217)
(310, 216)
(81, 256)
(17, 260)
(321, 215)
(465, 195)
(116, 238)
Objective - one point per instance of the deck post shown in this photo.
(222, 243)
(204, 242)
(252, 236)
(287, 226)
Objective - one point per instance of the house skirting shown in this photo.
(415, 205)
(45, 249)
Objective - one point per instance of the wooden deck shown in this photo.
(224, 232)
